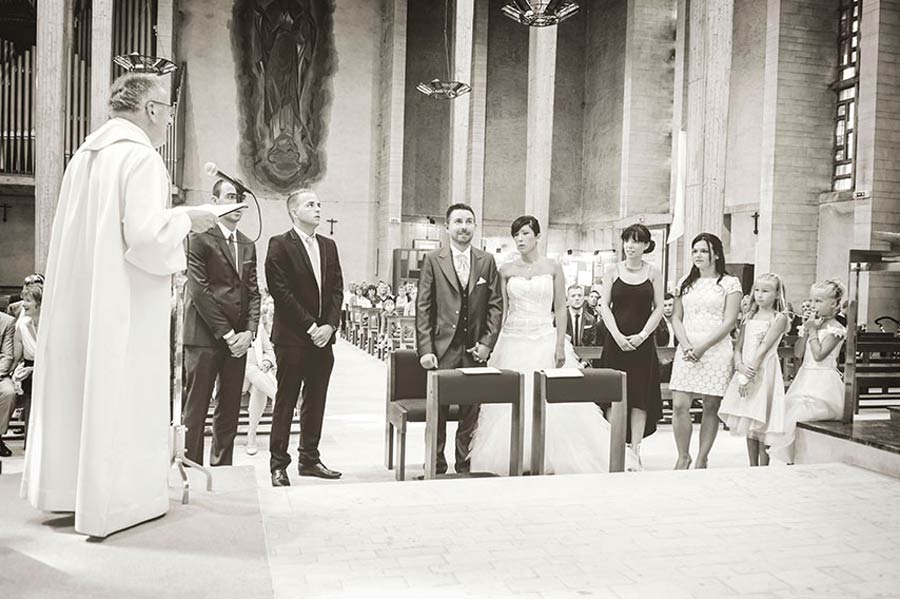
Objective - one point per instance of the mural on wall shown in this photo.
(284, 51)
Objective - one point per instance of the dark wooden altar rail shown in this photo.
(17, 113)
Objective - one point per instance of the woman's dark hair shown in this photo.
(641, 234)
(715, 246)
(371, 288)
(522, 221)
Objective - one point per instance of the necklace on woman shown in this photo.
(633, 268)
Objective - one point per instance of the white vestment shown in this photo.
(98, 439)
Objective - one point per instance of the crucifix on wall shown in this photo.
(331, 222)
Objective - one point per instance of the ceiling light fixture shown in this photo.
(448, 89)
(540, 13)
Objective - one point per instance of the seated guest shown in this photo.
(25, 338)
(580, 324)
(14, 308)
(591, 303)
(795, 320)
(259, 375)
(383, 290)
(7, 389)
(403, 297)
(370, 299)
(665, 336)
(413, 292)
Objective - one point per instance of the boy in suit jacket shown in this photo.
(221, 316)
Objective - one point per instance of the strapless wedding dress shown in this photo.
(577, 434)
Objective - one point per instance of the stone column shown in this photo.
(709, 58)
(393, 89)
(53, 47)
(877, 171)
(478, 116)
(541, 88)
(101, 60)
(459, 108)
(797, 138)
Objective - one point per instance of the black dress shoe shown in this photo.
(5, 451)
(280, 478)
(318, 470)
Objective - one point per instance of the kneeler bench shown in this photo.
(452, 387)
(598, 385)
(405, 402)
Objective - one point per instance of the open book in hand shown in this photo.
(214, 209)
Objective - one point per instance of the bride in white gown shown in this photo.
(577, 435)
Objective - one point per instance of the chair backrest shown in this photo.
(355, 315)
(406, 377)
(372, 318)
(599, 385)
(455, 387)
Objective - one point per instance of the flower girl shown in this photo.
(753, 405)
(817, 392)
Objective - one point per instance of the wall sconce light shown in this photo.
(540, 13)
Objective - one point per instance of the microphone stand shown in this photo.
(177, 429)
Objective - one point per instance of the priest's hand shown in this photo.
(240, 343)
(201, 220)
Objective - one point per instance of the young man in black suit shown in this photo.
(581, 325)
(221, 315)
(303, 273)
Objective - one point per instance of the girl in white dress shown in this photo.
(259, 373)
(817, 392)
(753, 405)
(577, 435)
(706, 310)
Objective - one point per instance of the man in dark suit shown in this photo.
(581, 325)
(665, 336)
(304, 277)
(459, 311)
(221, 315)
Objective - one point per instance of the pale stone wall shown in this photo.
(17, 239)
(349, 189)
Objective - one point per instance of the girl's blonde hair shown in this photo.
(834, 288)
(779, 294)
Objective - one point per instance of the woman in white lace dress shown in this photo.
(706, 310)
(577, 435)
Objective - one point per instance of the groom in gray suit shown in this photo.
(459, 311)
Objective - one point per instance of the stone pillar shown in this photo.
(53, 47)
(797, 138)
(393, 89)
(463, 26)
(478, 116)
(541, 88)
(710, 30)
(101, 60)
(877, 171)
(676, 181)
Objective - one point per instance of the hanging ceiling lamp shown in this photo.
(448, 89)
(540, 13)
(139, 63)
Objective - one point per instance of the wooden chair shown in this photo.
(452, 387)
(404, 402)
(400, 332)
(355, 324)
(598, 385)
(371, 327)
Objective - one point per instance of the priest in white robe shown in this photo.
(98, 441)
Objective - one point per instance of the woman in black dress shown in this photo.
(631, 305)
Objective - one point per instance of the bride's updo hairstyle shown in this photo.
(641, 234)
(523, 221)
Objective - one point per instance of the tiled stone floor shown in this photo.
(818, 531)
(805, 531)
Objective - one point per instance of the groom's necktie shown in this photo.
(577, 330)
(462, 268)
(232, 245)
